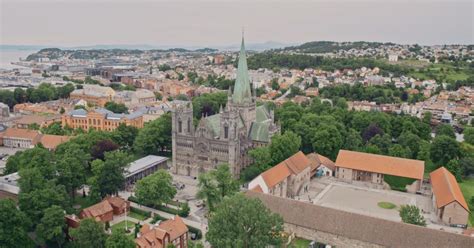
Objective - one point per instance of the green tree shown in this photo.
(444, 149)
(455, 168)
(467, 165)
(155, 137)
(71, 168)
(327, 141)
(283, 146)
(14, 225)
(89, 234)
(208, 190)
(411, 141)
(155, 189)
(445, 129)
(469, 135)
(124, 135)
(226, 184)
(399, 151)
(411, 214)
(116, 107)
(51, 227)
(119, 239)
(108, 176)
(244, 222)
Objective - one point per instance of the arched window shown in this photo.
(180, 126)
(189, 125)
(226, 132)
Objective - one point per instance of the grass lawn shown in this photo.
(386, 205)
(137, 216)
(467, 188)
(398, 183)
(83, 202)
(121, 226)
(299, 243)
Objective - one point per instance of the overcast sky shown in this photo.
(207, 23)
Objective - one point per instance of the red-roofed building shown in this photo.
(161, 234)
(451, 207)
(289, 178)
(105, 210)
(371, 168)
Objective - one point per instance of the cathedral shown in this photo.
(225, 137)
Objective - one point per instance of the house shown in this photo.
(289, 178)
(143, 167)
(320, 165)
(20, 138)
(105, 210)
(450, 205)
(371, 168)
(161, 234)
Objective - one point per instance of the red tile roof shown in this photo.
(52, 141)
(98, 209)
(387, 165)
(21, 133)
(292, 165)
(446, 189)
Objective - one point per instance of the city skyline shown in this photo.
(214, 24)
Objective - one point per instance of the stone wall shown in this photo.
(327, 238)
(454, 213)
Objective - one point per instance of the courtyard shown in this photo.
(364, 201)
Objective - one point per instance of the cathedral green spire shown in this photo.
(242, 92)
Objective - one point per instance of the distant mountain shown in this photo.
(209, 48)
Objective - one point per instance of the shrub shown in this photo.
(195, 231)
(184, 210)
(141, 212)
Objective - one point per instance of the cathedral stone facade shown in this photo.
(225, 137)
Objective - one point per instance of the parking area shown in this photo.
(5, 153)
(363, 200)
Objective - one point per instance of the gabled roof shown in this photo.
(175, 227)
(97, 209)
(21, 133)
(275, 175)
(387, 165)
(292, 165)
(242, 91)
(446, 189)
(317, 160)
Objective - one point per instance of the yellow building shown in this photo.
(101, 119)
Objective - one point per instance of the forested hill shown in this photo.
(332, 46)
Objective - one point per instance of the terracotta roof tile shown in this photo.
(317, 159)
(297, 162)
(52, 141)
(175, 227)
(98, 209)
(257, 189)
(21, 133)
(446, 189)
(275, 175)
(394, 166)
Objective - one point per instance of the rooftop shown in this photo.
(387, 165)
(446, 189)
(143, 164)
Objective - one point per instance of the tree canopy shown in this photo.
(244, 222)
(155, 189)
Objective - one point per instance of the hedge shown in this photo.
(163, 207)
(141, 212)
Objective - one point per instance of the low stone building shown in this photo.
(321, 165)
(371, 168)
(289, 178)
(163, 234)
(105, 210)
(143, 167)
(450, 205)
(20, 138)
(345, 229)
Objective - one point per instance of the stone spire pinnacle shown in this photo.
(242, 92)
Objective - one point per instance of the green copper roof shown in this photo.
(262, 114)
(260, 131)
(242, 92)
